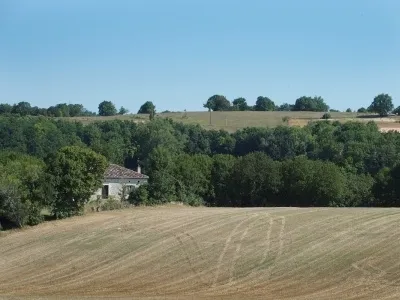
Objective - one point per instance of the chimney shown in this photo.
(139, 169)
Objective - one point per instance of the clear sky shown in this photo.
(178, 53)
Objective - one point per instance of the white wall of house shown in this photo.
(115, 186)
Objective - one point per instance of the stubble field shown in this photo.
(207, 253)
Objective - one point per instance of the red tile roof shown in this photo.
(117, 172)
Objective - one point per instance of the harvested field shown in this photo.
(235, 120)
(207, 253)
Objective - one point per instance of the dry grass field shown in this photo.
(207, 253)
(232, 121)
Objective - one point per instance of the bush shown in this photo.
(139, 196)
(192, 199)
(326, 116)
(113, 204)
(286, 119)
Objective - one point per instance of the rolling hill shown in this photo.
(234, 120)
(207, 253)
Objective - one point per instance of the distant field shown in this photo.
(207, 253)
(232, 121)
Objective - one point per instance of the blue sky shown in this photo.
(178, 53)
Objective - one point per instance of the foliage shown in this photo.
(123, 111)
(112, 204)
(23, 189)
(348, 110)
(310, 104)
(322, 164)
(140, 196)
(382, 104)
(362, 110)
(147, 108)
(241, 104)
(59, 110)
(286, 119)
(397, 110)
(285, 107)
(76, 174)
(107, 108)
(326, 116)
(264, 104)
(217, 103)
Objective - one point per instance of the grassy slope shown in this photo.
(232, 121)
(205, 253)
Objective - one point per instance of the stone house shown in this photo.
(119, 181)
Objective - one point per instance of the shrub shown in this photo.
(192, 199)
(139, 196)
(326, 116)
(286, 119)
(113, 204)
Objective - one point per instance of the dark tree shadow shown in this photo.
(6, 224)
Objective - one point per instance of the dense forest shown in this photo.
(57, 164)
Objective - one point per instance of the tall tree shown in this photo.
(362, 110)
(5, 108)
(241, 104)
(147, 108)
(22, 108)
(316, 103)
(382, 104)
(217, 103)
(76, 174)
(397, 110)
(285, 107)
(107, 108)
(123, 111)
(264, 104)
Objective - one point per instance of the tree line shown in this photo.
(106, 108)
(382, 104)
(57, 164)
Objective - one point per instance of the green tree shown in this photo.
(75, 110)
(310, 104)
(22, 108)
(147, 108)
(348, 110)
(162, 182)
(193, 176)
(382, 104)
(362, 110)
(24, 189)
(76, 174)
(123, 111)
(140, 195)
(285, 107)
(311, 183)
(5, 108)
(397, 110)
(221, 172)
(107, 108)
(255, 181)
(326, 116)
(240, 103)
(264, 104)
(217, 103)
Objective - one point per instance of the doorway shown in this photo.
(104, 191)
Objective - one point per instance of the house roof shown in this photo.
(118, 172)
